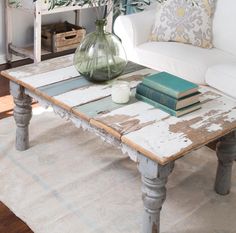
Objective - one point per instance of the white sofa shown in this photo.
(215, 67)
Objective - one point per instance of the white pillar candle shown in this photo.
(120, 92)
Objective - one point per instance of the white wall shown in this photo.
(1, 32)
(23, 25)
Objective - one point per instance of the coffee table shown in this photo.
(151, 137)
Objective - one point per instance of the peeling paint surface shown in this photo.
(214, 127)
(215, 110)
(132, 117)
(42, 67)
(174, 136)
(95, 91)
(137, 125)
(231, 116)
(159, 140)
(50, 77)
(207, 95)
(19, 74)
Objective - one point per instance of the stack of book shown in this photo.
(170, 93)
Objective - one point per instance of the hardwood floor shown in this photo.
(9, 223)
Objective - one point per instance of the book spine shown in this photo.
(161, 88)
(155, 104)
(157, 96)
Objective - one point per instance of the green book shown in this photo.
(172, 112)
(170, 84)
(167, 100)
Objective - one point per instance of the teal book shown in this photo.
(172, 112)
(170, 84)
(167, 100)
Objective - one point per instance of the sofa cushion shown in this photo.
(185, 21)
(224, 30)
(184, 60)
(223, 78)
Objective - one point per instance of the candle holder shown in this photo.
(120, 92)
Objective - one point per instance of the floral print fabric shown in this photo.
(186, 21)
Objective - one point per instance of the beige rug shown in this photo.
(69, 181)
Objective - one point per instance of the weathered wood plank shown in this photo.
(95, 92)
(120, 121)
(129, 118)
(50, 77)
(60, 87)
(135, 76)
(215, 119)
(40, 68)
(131, 67)
(64, 86)
(207, 95)
(101, 106)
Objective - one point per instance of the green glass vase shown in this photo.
(100, 56)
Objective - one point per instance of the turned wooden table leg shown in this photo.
(154, 179)
(22, 115)
(226, 153)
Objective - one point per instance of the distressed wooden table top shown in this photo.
(146, 129)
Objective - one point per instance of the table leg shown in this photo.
(22, 115)
(226, 153)
(154, 179)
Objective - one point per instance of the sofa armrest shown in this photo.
(134, 29)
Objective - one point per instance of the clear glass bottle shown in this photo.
(100, 56)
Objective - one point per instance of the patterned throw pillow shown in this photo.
(186, 21)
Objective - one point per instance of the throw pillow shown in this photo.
(186, 21)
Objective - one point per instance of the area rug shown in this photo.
(70, 181)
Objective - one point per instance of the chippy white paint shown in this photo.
(137, 109)
(156, 138)
(133, 154)
(79, 123)
(231, 116)
(217, 108)
(51, 77)
(44, 103)
(159, 140)
(141, 111)
(214, 127)
(42, 67)
(90, 93)
(40, 110)
(19, 74)
(207, 95)
(84, 95)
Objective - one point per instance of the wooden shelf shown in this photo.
(38, 8)
(25, 52)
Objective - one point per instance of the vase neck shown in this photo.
(100, 25)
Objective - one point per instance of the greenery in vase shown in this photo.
(119, 6)
(14, 3)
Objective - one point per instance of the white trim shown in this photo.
(2, 59)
